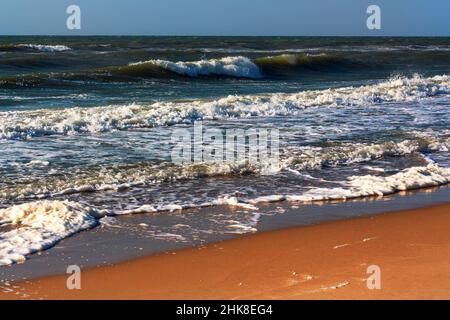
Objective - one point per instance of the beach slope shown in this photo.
(326, 261)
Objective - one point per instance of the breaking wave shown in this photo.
(34, 47)
(231, 67)
(239, 67)
(26, 124)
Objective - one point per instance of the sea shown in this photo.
(87, 129)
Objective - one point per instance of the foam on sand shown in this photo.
(221, 201)
(40, 225)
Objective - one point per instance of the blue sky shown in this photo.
(225, 17)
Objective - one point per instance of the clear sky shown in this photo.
(225, 17)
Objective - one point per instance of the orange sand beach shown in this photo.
(326, 261)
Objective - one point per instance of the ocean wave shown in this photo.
(294, 160)
(231, 67)
(34, 47)
(122, 177)
(292, 62)
(45, 48)
(239, 67)
(234, 67)
(310, 157)
(267, 67)
(242, 67)
(26, 124)
(412, 178)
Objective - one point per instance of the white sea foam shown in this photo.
(412, 178)
(41, 163)
(45, 48)
(240, 67)
(246, 226)
(25, 124)
(170, 236)
(293, 160)
(121, 178)
(221, 201)
(40, 225)
(370, 185)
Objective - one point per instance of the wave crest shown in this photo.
(239, 67)
(25, 124)
(34, 47)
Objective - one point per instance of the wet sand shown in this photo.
(326, 261)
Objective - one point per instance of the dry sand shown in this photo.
(326, 261)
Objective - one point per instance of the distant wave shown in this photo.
(45, 48)
(239, 67)
(243, 67)
(267, 67)
(26, 124)
(34, 47)
(318, 62)
(232, 67)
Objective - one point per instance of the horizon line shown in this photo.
(235, 36)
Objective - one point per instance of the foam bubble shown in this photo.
(40, 225)
(370, 185)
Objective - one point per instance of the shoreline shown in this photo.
(114, 243)
(324, 261)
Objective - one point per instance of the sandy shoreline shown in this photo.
(326, 261)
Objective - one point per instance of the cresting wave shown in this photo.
(235, 67)
(34, 47)
(27, 124)
(239, 67)
(40, 225)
